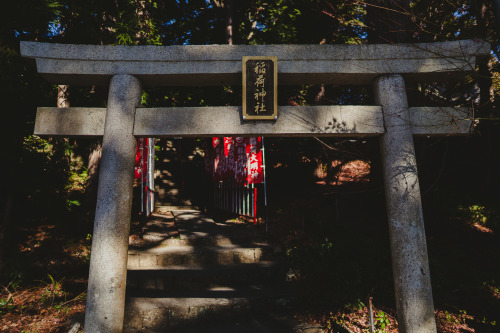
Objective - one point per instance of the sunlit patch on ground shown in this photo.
(482, 228)
(356, 171)
(36, 238)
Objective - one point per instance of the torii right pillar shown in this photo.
(410, 264)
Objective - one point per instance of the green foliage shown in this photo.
(449, 318)
(72, 203)
(52, 291)
(480, 214)
(355, 305)
(381, 320)
(6, 304)
(77, 178)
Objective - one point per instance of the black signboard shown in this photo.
(260, 88)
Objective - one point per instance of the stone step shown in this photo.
(173, 240)
(191, 256)
(261, 323)
(205, 277)
(166, 209)
(158, 311)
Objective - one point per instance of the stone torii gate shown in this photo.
(127, 68)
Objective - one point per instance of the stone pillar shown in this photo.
(410, 264)
(108, 262)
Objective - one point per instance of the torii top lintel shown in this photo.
(203, 65)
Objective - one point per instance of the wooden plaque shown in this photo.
(260, 88)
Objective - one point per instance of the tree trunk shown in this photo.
(63, 96)
(486, 93)
(91, 185)
(229, 21)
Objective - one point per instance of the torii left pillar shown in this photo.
(108, 262)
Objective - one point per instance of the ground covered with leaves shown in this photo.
(48, 281)
(334, 234)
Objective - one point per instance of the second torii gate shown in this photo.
(127, 68)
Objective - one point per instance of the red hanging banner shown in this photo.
(255, 173)
(227, 145)
(237, 158)
(139, 170)
(145, 159)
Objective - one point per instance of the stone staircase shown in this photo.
(190, 274)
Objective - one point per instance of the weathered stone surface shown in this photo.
(293, 121)
(235, 52)
(74, 122)
(440, 121)
(134, 261)
(162, 313)
(108, 262)
(189, 308)
(166, 256)
(412, 284)
(221, 64)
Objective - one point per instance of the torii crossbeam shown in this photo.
(127, 68)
